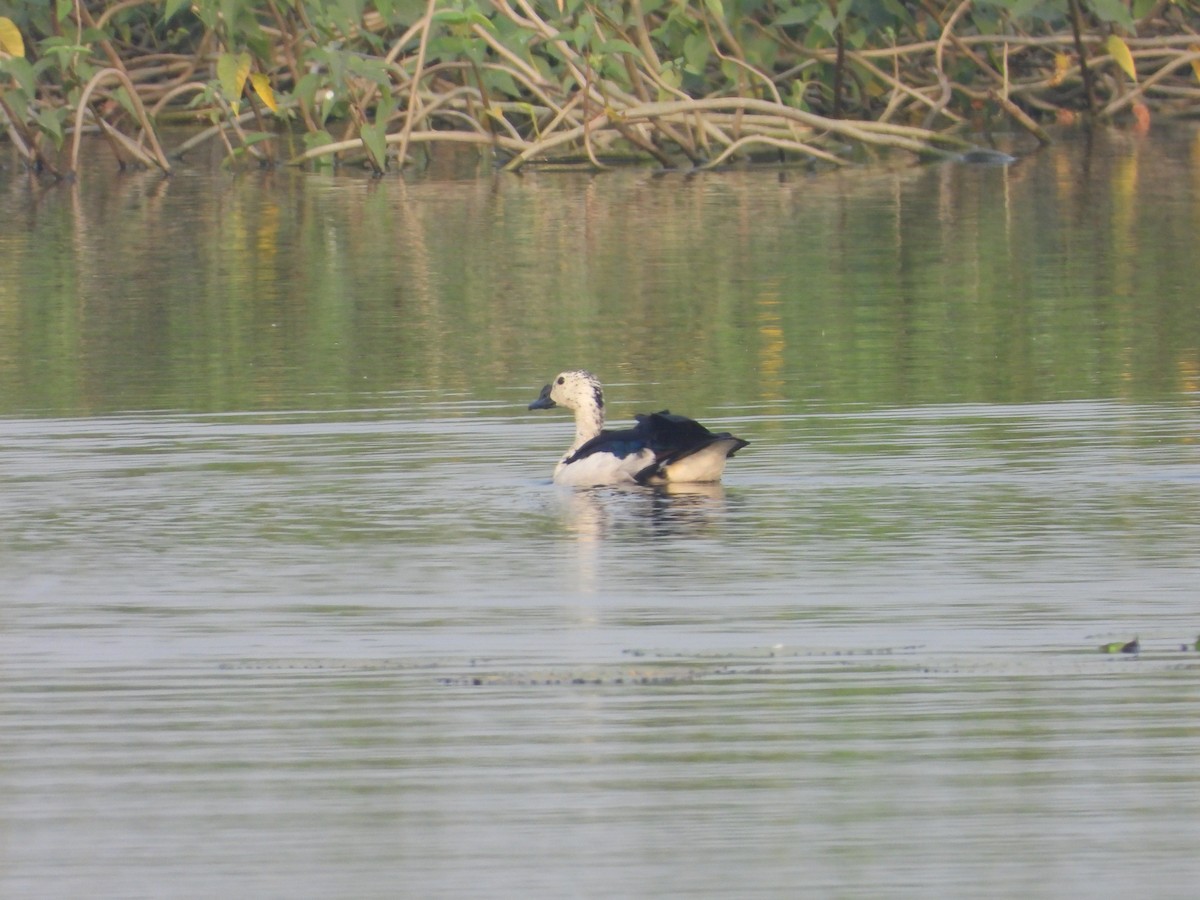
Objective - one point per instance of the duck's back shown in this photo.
(662, 447)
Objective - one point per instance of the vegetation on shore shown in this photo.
(822, 82)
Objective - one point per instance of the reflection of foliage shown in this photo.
(537, 80)
(1068, 276)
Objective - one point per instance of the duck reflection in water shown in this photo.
(668, 510)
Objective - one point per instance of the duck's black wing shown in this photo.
(667, 432)
(670, 437)
(618, 442)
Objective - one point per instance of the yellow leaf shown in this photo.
(1062, 63)
(262, 87)
(243, 71)
(1195, 48)
(1119, 51)
(10, 37)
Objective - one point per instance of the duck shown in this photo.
(662, 448)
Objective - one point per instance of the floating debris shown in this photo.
(556, 679)
(1121, 647)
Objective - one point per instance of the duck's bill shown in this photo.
(543, 401)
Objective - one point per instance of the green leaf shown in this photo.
(671, 77)
(173, 6)
(450, 17)
(464, 19)
(49, 121)
(796, 95)
(373, 137)
(232, 72)
(306, 88)
(122, 97)
(314, 139)
(1112, 12)
(498, 81)
(18, 99)
(229, 15)
(1019, 9)
(696, 51)
(800, 14)
(618, 46)
(716, 7)
(21, 71)
(371, 69)
(827, 21)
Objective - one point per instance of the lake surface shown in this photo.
(291, 608)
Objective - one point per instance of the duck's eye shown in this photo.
(561, 380)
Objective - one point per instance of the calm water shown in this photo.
(290, 607)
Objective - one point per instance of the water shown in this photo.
(290, 607)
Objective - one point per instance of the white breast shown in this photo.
(602, 468)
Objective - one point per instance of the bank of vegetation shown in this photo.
(587, 82)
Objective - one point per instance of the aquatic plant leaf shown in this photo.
(695, 53)
(171, 7)
(21, 71)
(232, 72)
(462, 20)
(50, 121)
(10, 37)
(374, 138)
(262, 86)
(1113, 12)
(618, 46)
(122, 97)
(1119, 51)
(801, 14)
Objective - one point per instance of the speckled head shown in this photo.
(576, 389)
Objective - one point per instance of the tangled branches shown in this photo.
(582, 82)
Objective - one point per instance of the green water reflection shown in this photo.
(1070, 275)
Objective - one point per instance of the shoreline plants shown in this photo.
(580, 82)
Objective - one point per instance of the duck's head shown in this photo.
(574, 390)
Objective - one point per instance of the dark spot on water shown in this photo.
(983, 157)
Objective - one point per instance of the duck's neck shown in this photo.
(589, 420)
